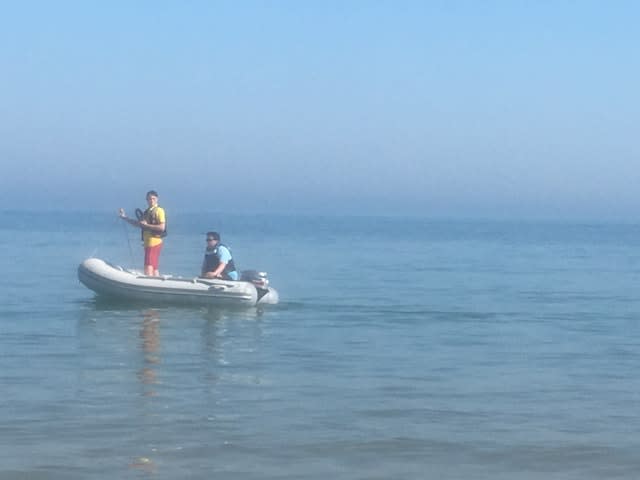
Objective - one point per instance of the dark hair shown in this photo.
(215, 235)
(152, 192)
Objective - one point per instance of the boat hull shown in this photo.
(113, 281)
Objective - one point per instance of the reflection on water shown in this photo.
(171, 378)
(150, 346)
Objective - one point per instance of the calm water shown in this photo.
(403, 348)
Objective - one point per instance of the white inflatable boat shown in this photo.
(113, 281)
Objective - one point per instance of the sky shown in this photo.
(475, 109)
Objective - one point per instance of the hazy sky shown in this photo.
(442, 108)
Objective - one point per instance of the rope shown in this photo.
(126, 232)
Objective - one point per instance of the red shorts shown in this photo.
(152, 256)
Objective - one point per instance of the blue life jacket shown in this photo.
(212, 260)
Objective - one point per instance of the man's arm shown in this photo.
(130, 221)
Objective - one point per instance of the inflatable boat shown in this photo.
(117, 282)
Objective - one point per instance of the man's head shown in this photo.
(213, 238)
(152, 197)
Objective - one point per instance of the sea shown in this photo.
(402, 348)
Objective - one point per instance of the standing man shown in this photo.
(218, 262)
(153, 224)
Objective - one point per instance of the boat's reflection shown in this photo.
(150, 348)
(209, 348)
(162, 331)
(158, 364)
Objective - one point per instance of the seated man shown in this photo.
(218, 262)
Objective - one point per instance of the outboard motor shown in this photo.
(266, 295)
(259, 279)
